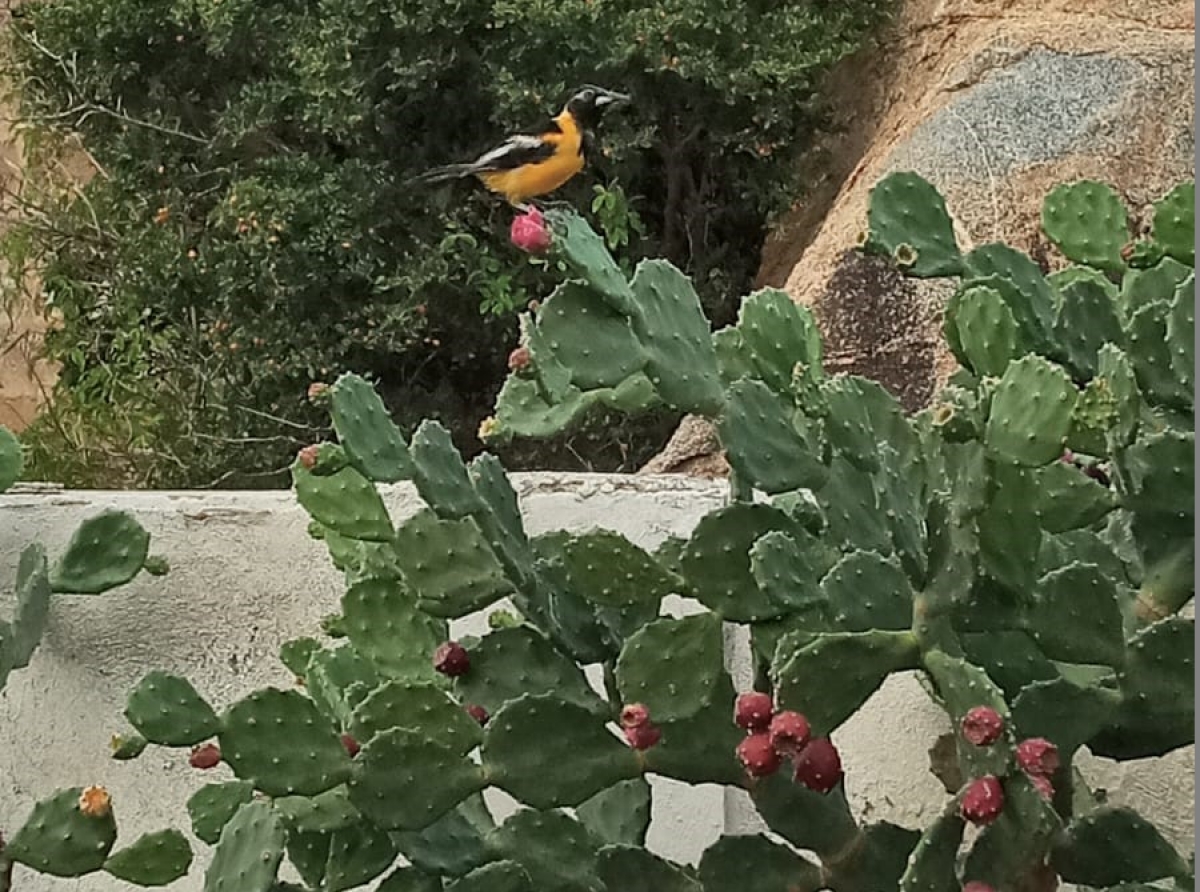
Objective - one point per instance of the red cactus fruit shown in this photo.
(317, 391)
(530, 233)
(519, 359)
(205, 756)
(642, 737)
(351, 745)
(819, 767)
(635, 715)
(982, 726)
(789, 732)
(753, 710)
(451, 659)
(1037, 756)
(478, 713)
(983, 800)
(758, 756)
(1042, 785)
(308, 457)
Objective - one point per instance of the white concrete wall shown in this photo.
(245, 577)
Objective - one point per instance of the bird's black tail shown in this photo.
(440, 174)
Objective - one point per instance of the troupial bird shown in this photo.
(531, 164)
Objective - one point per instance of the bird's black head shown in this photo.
(588, 105)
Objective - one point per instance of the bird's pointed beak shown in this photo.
(608, 98)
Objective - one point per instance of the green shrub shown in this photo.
(249, 227)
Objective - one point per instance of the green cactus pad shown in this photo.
(631, 867)
(1030, 296)
(523, 410)
(1087, 320)
(819, 822)
(1120, 381)
(761, 442)
(1030, 413)
(1076, 617)
(357, 855)
(309, 853)
(499, 876)
(12, 458)
(408, 780)
(851, 665)
(1142, 286)
(248, 852)
(1181, 332)
(1008, 656)
(346, 502)
(1068, 499)
(607, 569)
(1158, 710)
(596, 343)
(734, 360)
(556, 850)
(279, 741)
(509, 663)
(575, 623)
(963, 686)
(547, 752)
(788, 568)
(440, 475)
(385, 625)
(324, 813)
(167, 710)
(1150, 352)
(862, 416)
(672, 666)
(780, 336)
(337, 681)
(412, 879)
(700, 749)
(619, 815)
(906, 209)
(675, 338)
(295, 654)
(156, 859)
(1067, 714)
(365, 428)
(32, 608)
(866, 591)
(932, 865)
(450, 565)
(106, 550)
(553, 378)
(1115, 845)
(1175, 223)
(1017, 841)
(776, 868)
(415, 706)
(211, 807)
(1096, 413)
(455, 843)
(585, 254)
(502, 522)
(1159, 471)
(985, 330)
(126, 747)
(59, 839)
(1062, 278)
(716, 560)
(1088, 222)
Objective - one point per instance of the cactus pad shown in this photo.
(776, 867)
(1068, 499)
(761, 442)
(12, 458)
(547, 752)
(499, 876)
(933, 863)
(1076, 617)
(962, 687)
(1066, 714)
(167, 710)
(865, 591)
(248, 852)
(1030, 413)
(440, 474)
(1181, 332)
(1150, 352)
(820, 822)
(672, 666)
(1115, 845)
(907, 210)
(628, 867)
(211, 807)
(556, 850)
(357, 854)
(384, 624)
(408, 780)
(279, 741)
(607, 569)
(1088, 223)
(346, 502)
(372, 441)
(412, 879)
(1175, 223)
(1087, 320)
(156, 859)
(781, 337)
(587, 257)
(324, 813)
(58, 838)
(669, 321)
(598, 345)
(984, 329)
(788, 568)
(106, 550)
(619, 815)
(455, 843)
(415, 706)
(32, 609)
(450, 565)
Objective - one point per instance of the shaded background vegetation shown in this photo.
(248, 228)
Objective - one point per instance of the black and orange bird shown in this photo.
(531, 164)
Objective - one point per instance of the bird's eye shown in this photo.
(588, 96)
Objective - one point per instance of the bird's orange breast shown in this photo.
(530, 180)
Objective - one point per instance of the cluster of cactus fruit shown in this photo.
(1024, 546)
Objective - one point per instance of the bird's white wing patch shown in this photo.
(521, 146)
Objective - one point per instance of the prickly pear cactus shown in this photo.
(1025, 544)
